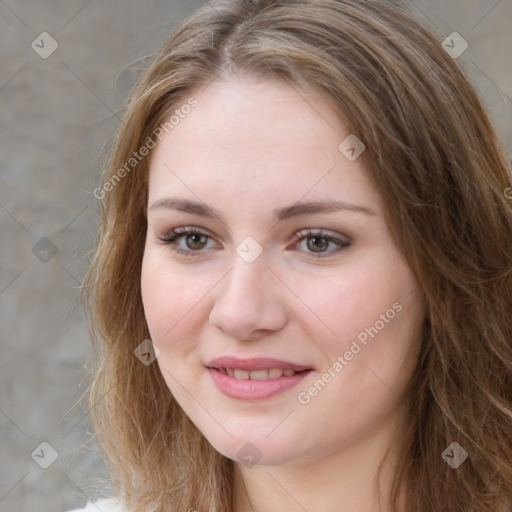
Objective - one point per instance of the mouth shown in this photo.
(255, 379)
(265, 374)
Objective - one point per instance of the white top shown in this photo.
(103, 505)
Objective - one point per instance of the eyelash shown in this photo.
(173, 236)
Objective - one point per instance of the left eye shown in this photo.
(320, 242)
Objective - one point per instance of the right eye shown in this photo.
(189, 241)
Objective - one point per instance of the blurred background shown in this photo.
(66, 69)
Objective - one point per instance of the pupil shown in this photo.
(195, 241)
(317, 243)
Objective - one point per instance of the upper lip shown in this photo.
(254, 363)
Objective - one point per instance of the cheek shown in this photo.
(377, 304)
(353, 298)
(174, 307)
(171, 298)
(377, 317)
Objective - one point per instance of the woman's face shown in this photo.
(282, 265)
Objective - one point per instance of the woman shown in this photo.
(303, 279)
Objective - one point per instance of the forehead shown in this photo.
(260, 138)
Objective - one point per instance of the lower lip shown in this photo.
(247, 389)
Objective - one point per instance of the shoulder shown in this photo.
(102, 505)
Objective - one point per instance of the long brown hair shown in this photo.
(443, 174)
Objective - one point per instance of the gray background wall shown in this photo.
(57, 115)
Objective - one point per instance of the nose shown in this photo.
(249, 301)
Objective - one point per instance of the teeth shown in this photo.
(241, 374)
(259, 375)
(272, 373)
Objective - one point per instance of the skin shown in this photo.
(252, 145)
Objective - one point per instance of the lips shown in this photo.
(255, 378)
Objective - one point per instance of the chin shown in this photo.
(255, 449)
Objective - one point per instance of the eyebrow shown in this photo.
(312, 207)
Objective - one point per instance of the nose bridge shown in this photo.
(247, 301)
(247, 278)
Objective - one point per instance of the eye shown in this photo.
(320, 243)
(192, 241)
(187, 240)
